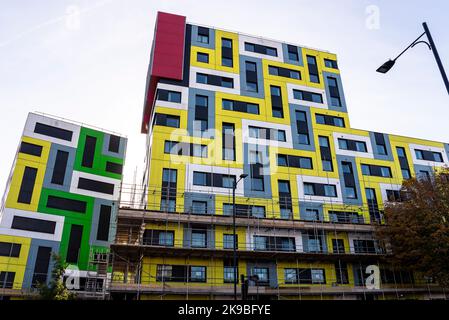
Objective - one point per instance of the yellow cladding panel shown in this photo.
(214, 270)
(317, 54)
(394, 167)
(26, 160)
(220, 231)
(219, 35)
(275, 192)
(330, 56)
(429, 143)
(194, 61)
(274, 168)
(329, 270)
(178, 231)
(324, 127)
(269, 114)
(17, 265)
(267, 76)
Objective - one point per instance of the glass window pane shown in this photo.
(324, 142)
(309, 189)
(251, 86)
(275, 91)
(201, 78)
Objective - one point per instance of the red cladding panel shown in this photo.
(167, 57)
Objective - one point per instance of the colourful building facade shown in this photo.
(61, 197)
(220, 104)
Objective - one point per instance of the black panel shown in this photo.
(203, 31)
(66, 204)
(41, 265)
(96, 186)
(319, 189)
(30, 148)
(256, 169)
(114, 143)
(226, 52)
(74, 246)
(334, 92)
(428, 155)
(404, 163)
(349, 180)
(89, 152)
(54, 132)
(162, 95)
(201, 113)
(8, 249)
(276, 101)
(251, 76)
(103, 223)
(375, 171)
(60, 167)
(35, 225)
(27, 186)
(325, 153)
(114, 167)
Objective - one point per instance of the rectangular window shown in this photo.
(199, 207)
(114, 143)
(89, 152)
(293, 53)
(283, 72)
(251, 76)
(334, 92)
(227, 82)
(257, 48)
(60, 167)
(330, 120)
(228, 241)
(338, 246)
(228, 181)
(202, 57)
(262, 275)
(8, 249)
(199, 239)
(201, 78)
(54, 132)
(27, 185)
(228, 274)
(41, 266)
(166, 120)
(96, 186)
(330, 63)
(352, 145)
(197, 274)
(307, 96)
(166, 238)
(104, 221)
(30, 148)
(290, 276)
(226, 52)
(312, 215)
(199, 178)
(377, 171)
(113, 167)
(313, 69)
(276, 102)
(228, 141)
(203, 35)
(66, 204)
(7, 279)
(74, 245)
(257, 184)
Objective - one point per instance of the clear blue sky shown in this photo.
(91, 67)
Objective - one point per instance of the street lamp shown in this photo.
(234, 186)
(390, 63)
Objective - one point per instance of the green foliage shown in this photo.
(56, 289)
(416, 230)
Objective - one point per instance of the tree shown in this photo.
(416, 230)
(56, 289)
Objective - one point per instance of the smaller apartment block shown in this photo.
(61, 197)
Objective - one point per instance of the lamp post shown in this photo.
(431, 45)
(234, 186)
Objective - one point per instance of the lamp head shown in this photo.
(243, 176)
(386, 66)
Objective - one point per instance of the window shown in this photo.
(199, 178)
(286, 213)
(338, 246)
(324, 142)
(228, 141)
(350, 193)
(226, 62)
(307, 96)
(378, 171)
(199, 207)
(201, 101)
(7, 279)
(318, 276)
(381, 149)
(228, 181)
(309, 189)
(260, 243)
(281, 135)
(250, 47)
(169, 175)
(327, 165)
(60, 167)
(312, 215)
(228, 275)
(203, 38)
(293, 53)
(27, 185)
(330, 63)
(203, 35)
(295, 74)
(8, 249)
(313, 69)
(251, 86)
(366, 170)
(273, 70)
(385, 171)
(197, 274)
(258, 212)
(401, 152)
(341, 270)
(168, 205)
(226, 43)
(275, 91)
(54, 132)
(199, 150)
(257, 184)
(262, 274)
(339, 122)
(282, 160)
(202, 57)
(353, 145)
(30, 148)
(290, 276)
(250, 66)
(201, 78)
(227, 82)
(330, 190)
(174, 96)
(320, 119)
(198, 239)
(252, 107)
(333, 91)
(228, 241)
(227, 104)
(284, 186)
(271, 51)
(166, 120)
(360, 146)
(405, 174)
(166, 238)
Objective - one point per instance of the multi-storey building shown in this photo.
(220, 104)
(61, 197)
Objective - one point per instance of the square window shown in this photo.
(202, 38)
(327, 165)
(286, 213)
(385, 171)
(324, 142)
(172, 121)
(226, 43)
(314, 78)
(202, 57)
(290, 276)
(305, 163)
(257, 184)
(228, 182)
(228, 241)
(226, 62)
(201, 101)
(282, 160)
(275, 91)
(360, 146)
(250, 47)
(318, 276)
(335, 102)
(437, 156)
(198, 239)
(330, 190)
(405, 174)
(199, 178)
(273, 70)
(197, 274)
(262, 274)
(284, 186)
(174, 96)
(258, 212)
(295, 75)
(281, 135)
(301, 116)
(227, 104)
(201, 78)
(350, 193)
(166, 238)
(401, 152)
(227, 82)
(271, 51)
(303, 138)
(312, 215)
(366, 170)
(260, 243)
(251, 86)
(293, 56)
(343, 144)
(309, 189)
(252, 108)
(320, 119)
(339, 122)
(277, 113)
(381, 149)
(168, 205)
